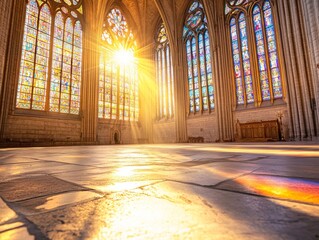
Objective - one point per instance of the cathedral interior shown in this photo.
(122, 72)
(115, 105)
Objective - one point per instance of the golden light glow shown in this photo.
(124, 57)
(125, 171)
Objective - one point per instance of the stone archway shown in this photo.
(116, 137)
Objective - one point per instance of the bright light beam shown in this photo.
(124, 57)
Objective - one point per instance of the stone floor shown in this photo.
(180, 191)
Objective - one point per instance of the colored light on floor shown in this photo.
(293, 189)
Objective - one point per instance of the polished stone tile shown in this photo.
(7, 214)
(44, 204)
(17, 234)
(163, 191)
(34, 186)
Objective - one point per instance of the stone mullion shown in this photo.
(71, 70)
(118, 77)
(157, 85)
(254, 59)
(47, 104)
(166, 81)
(62, 64)
(35, 53)
(201, 107)
(169, 84)
(104, 81)
(110, 75)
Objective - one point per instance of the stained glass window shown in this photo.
(118, 83)
(241, 60)
(246, 59)
(165, 83)
(237, 62)
(199, 65)
(35, 57)
(267, 60)
(272, 50)
(261, 54)
(64, 81)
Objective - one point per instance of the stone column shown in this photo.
(11, 26)
(299, 77)
(310, 12)
(147, 92)
(179, 71)
(94, 17)
(221, 69)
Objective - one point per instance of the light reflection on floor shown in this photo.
(169, 191)
(293, 189)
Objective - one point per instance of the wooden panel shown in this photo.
(259, 131)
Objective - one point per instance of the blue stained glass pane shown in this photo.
(272, 50)
(199, 58)
(190, 75)
(195, 71)
(209, 72)
(237, 63)
(263, 72)
(246, 59)
(202, 69)
(193, 7)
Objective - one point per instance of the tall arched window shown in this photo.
(268, 86)
(118, 79)
(165, 81)
(51, 74)
(200, 76)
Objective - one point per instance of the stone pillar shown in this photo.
(147, 92)
(221, 69)
(11, 26)
(180, 99)
(310, 12)
(299, 77)
(94, 17)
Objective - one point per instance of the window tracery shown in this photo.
(165, 82)
(199, 66)
(51, 74)
(266, 57)
(118, 83)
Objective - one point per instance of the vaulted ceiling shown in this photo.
(145, 14)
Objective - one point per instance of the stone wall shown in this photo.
(264, 114)
(48, 131)
(5, 9)
(164, 132)
(203, 126)
(128, 133)
(27, 129)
